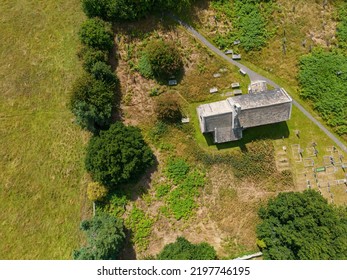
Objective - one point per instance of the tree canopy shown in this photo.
(164, 58)
(182, 249)
(302, 226)
(120, 10)
(105, 238)
(96, 33)
(91, 103)
(117, 10)
(118, 155)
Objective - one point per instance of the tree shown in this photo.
(168, 108)
(102, 71)
(164, 59)
(91, 102)
(174, 5)
(105, 238)
(182, 249)
(96, 191)
(118, 155)
(96, 33)
(90, 56)
(302, 226)
(117, 10)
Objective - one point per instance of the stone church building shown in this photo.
(228, 118)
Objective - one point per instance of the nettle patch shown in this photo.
(179, 194)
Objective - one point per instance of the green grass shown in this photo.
(42, 195)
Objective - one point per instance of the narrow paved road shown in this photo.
(254, 76)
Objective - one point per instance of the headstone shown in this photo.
(213, 90)
(216, 75)
(172, 82)
(235, 85)
(243, 72)
(237, 92)
(185, 120)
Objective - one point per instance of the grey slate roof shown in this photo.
(262, 99)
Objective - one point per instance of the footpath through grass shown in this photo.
(42, 151)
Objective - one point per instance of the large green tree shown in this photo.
(118, 155)
(91, 102)
(117, 10)
(182, 249)
(302, 226)
(96, 33)
(105, 238)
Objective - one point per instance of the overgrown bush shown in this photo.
(164, 59)
(182, 249)
(118, 155)
(91, 103)
(168, 108)
(105, 238)
(96, 33)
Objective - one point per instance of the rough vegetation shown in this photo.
(323, 76)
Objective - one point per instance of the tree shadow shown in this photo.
(128, 252)
(264, 132)
(137, 187)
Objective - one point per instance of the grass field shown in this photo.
(41, 157)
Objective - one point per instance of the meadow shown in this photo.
(42, 197)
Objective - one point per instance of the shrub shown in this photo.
(118, 155)
(168, 108)
(164, 59)
(105, 238)
(182, 249)
(91, 103)
(96, 192)
(97, 34)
